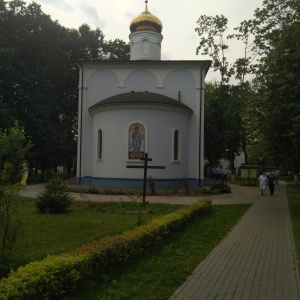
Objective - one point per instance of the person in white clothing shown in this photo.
(263, 181)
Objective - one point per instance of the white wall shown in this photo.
(158, 126)
(101, 81)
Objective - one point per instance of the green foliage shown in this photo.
(93, 190)
(54, 276)
(55, 198)
(280, 77)
(214, 127)
(276, 27)
(151, 181)
(117, 50)
(7, 175)
(38, 74)
(223, 129)
(13, 148)
(206, 190)
(50, 279)
(11, 222)
(221, 187)
(269, 108)
(212, 30)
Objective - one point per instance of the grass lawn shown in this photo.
(44, 234)
(293, 193)
(158, 273)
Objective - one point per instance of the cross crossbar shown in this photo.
(148, 167)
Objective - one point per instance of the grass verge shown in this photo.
(158, 273)
(293, 194)
(43, 234)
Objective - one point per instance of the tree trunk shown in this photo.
(232, 158)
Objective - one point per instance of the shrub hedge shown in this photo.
(56, 276)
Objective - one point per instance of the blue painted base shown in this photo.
(124, 183)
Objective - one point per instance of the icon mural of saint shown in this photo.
(136, 145)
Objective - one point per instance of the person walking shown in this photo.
(225, 173)
(218, 173)
(263, 181)
(271, 182)
(213, 173)
(24, 174)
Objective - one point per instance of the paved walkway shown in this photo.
(255, 261)
(239, 194)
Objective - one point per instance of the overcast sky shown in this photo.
(179, 19)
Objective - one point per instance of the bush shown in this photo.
(221, 187)
(93, 190)
(55, 199)
(206, 190)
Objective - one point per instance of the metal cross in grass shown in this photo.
(145, 167)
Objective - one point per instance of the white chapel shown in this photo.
(144, 105)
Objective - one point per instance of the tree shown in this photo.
(214, 125)
(277, 29)
(90, 43)
(33, 80)
(212, 30)
(251, 137)
(280, 106)
(223, 123)
(229, 132)
(233, 124)
(246, 64)
(39, 80)
(13, 148)
(270, 110)
(55, 199)
(117, 50)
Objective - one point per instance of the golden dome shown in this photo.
(146, 21)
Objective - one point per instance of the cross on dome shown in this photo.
(146, 5)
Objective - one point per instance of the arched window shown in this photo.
(176, 145)
(100, 144)
(136, 141)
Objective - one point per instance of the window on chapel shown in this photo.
(100, 144)
(145, 45)
(176, 145)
